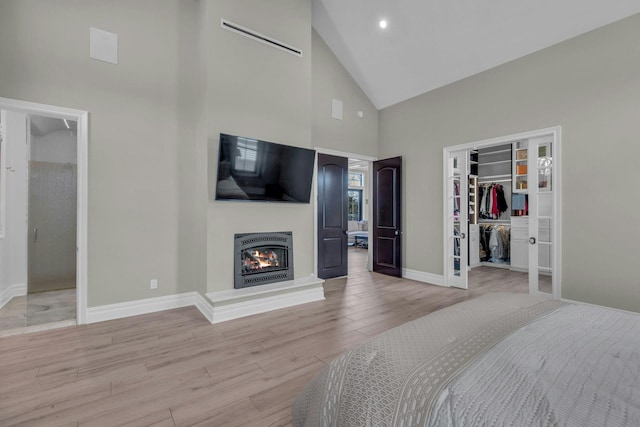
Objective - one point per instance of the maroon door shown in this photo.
(333, 172)
(387, 233)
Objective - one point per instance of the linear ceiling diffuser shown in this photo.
(259, 37)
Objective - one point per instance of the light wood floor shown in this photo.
(175, 368)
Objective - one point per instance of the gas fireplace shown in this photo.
(261, 258)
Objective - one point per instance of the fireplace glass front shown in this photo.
(262, 258)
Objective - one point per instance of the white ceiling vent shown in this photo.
(260, 37)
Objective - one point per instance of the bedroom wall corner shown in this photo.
(191, 148)
(330, 80)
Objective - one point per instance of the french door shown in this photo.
(540, 184)
(456, 215)
(534, 206)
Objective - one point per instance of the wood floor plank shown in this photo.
(175, 368)
(161, 418)
(235, 415)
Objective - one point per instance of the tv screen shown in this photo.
(254, 170)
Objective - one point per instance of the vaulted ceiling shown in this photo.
(431, 43)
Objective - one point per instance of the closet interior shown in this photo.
(490, 192)
(499, 206)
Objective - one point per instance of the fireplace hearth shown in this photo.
(261, 258)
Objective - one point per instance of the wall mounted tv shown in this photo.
(254, 170)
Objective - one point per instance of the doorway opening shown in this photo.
(43, 249)
(343, 213)
(502, 213)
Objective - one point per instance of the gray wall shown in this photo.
(590, 85)
(134, 129)
(191, 147)
(330, 81)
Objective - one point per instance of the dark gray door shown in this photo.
(387, 215)
(333, 172)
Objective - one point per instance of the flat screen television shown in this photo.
(254, 170)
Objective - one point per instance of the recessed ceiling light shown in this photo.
(383, 23)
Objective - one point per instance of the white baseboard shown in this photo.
(11, 292)
(236, 303)
(421, 276)
(145, 306)
(224, 305)
(204, 306)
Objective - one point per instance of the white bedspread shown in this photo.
(578, 366)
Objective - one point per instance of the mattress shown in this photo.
(500, 359)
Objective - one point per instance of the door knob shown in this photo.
(397, 232)
(532, 240)
(462, 235)
(35, 235)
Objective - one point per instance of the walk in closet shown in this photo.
(499, 206)
(504, 195)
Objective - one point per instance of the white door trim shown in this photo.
(368, 196)
(82, 118)
(556, 133)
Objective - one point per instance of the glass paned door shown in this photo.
(541, 221)
(457, 219)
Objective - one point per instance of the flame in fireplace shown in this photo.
(256, 259)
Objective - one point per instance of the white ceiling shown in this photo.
(431, 43)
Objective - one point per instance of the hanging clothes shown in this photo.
(492, 201)
(495, 243)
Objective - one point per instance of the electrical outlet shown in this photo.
(154, 283)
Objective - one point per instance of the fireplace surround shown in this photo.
(261, 258)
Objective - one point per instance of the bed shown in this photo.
(499, 359)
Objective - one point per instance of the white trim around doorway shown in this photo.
(556, 133)
(82, 118)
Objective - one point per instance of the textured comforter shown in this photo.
(500, 359)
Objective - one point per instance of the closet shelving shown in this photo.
(494, 166)
(473, 200)
(473, 162)
(520, 188)
(520, 159)
(473, 229)
(473, 186)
